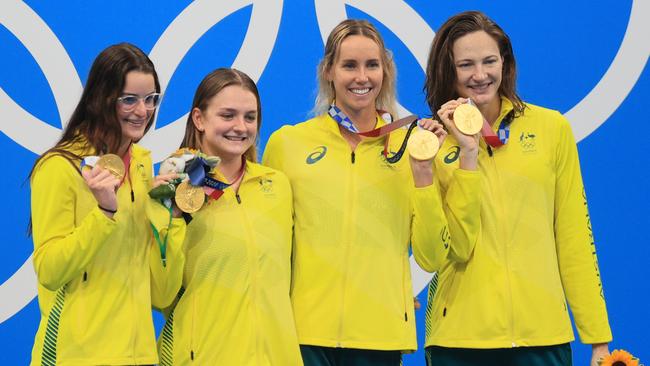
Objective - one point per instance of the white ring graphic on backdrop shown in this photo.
(186, 29)
(585, 117)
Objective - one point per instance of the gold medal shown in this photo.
(423, 144)
(468, 119)
(189, 198)
(113, 164)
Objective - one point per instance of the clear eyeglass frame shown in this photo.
(129, 102)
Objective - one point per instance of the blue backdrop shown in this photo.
(584, 58)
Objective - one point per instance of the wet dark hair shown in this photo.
(441, 78)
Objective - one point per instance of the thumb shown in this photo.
(86, 173)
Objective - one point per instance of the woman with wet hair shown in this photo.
(92, 236)
(502, 299)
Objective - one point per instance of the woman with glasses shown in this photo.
(358, 209)
(233, 307)
(504, 302)
(92, 238)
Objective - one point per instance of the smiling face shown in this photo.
(133, 121)
(479, 66)
(357, 75)
(228, 125)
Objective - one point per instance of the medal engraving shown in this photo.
(189, 198)
(423, 145)
(468, 119)
(113, 164)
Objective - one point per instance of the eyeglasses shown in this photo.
(129, 102)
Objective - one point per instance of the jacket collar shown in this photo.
(327, 123)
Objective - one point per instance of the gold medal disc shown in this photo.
(468, 119)
(423, 145)
(113, 164)
(189, 198)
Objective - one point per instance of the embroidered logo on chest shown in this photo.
(266, 185)
(527, 140)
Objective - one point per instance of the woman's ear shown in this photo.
(197, 119)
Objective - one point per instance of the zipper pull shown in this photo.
(352, 157)
(238, 198)
(489, 150)
(132, 195)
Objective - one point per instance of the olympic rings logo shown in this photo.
(190, 25)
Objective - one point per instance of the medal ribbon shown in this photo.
(127, 165)
(343, 120)
(198, 174)
(503, 134)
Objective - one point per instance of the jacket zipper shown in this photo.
(193, 332)
(505, 240)
(349, 228)
(131, 218)
(253, 256)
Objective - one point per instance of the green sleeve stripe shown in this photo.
(167, 337)
(433, 286)
(48, 357)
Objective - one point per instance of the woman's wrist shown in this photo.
(422, 173)
(468, 159)
(107, 211)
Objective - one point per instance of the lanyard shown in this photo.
(343, 120)
(503, 134)
(214, 188)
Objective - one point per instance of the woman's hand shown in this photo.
(423, 169)
(435, 127)
(598, 351)
(166, 179)
(103, 186)
(468, 144)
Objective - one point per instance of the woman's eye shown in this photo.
(129, 100)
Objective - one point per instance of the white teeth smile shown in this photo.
(360, 91)
(236, 138)
(480, 87)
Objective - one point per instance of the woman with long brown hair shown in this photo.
(92, 238)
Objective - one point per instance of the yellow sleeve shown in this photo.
(272, 153)
(575, 244)
(429, 231)
(61, 248)
(463, 210)
(167, 278)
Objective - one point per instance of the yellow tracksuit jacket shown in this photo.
(355, 216)
(234, 306)
(95, 290)
(535, 247)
